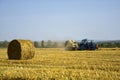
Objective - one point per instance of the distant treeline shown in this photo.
(39, 44)
(4, 44)
(49, 44)
(109, 44)
(60, 44)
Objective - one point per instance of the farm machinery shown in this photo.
(84, 44)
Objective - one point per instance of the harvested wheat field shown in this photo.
(58, 64)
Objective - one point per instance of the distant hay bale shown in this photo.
(21, 50)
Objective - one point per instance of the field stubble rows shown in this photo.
(58, 64)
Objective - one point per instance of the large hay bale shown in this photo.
(71, 45)
(21, 49)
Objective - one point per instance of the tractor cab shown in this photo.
(86, 44)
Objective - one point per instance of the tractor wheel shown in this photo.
(82, 47)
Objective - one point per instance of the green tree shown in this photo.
(36, 44)
(42, 43)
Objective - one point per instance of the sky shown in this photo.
(59, 19)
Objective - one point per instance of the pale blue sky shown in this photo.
(59, 19)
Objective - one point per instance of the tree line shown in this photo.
(109, 44)
(38, 44)
(60, 44)
(48, 44)
(4, 44)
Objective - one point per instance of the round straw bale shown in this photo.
(21, 50)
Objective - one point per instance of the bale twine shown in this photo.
(21, 50)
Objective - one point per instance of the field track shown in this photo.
(58, 64)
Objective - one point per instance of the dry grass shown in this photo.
(57, 64)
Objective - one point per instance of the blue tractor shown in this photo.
(87, 45)
(84, 44)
